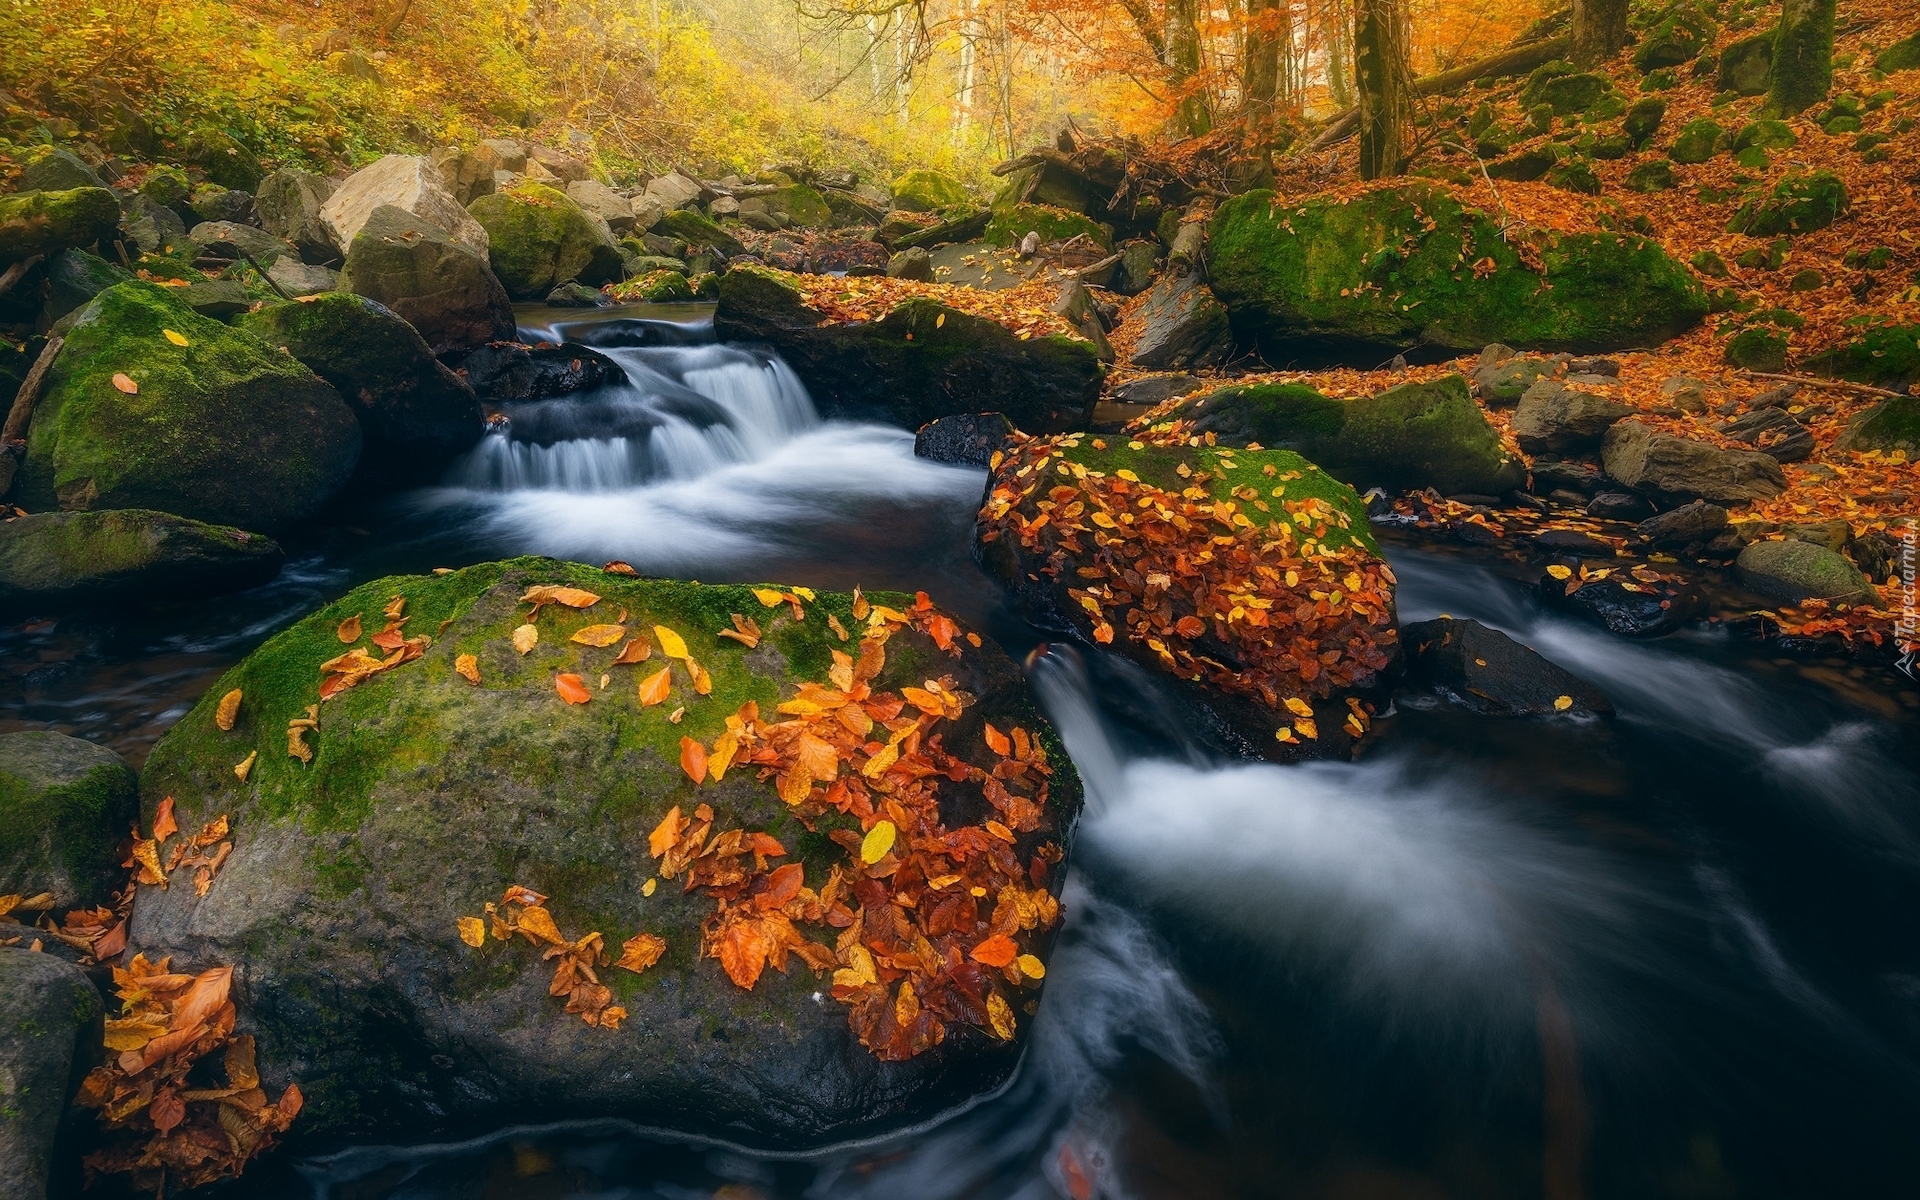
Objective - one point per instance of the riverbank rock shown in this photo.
(1890, 425)
(414, 413)
(1384, 272)
(927, 191)
(1795, 570)
(62, 558)
(357, 901)
(224, 239)
(504, 371)
(223, 429)
(1675, 470)
(1417, 435)
(1182, 326)
(1250, 577)
(52, 1014)
(541, 239)
(42, 222)
(1640, 602)
(1555, 419)
(289, 204)
(1485, 671)
(915, 364)
(964, 439)
(410, 183)
(437, 285)
(65, 807)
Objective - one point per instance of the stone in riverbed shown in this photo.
(1650, 609)
(224, 429)
(289, 203)
(541, 239)
(1794, 570)
(407, 182)
(1690, 524)
(1184, 326)
(224, 239)
(65, 805)
(440, 287)
(63, 558)
(51, 1013)
(1674, 469)
(1553, 418)
(503, 371)
(1502, 383)
(1488, 672)
(427, 795)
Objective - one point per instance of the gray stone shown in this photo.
(965, 439)
(468, 176)
(221, 204)
(153, 227)
(1687, 394)
(1675, 469)
(61, 558)
(1554, 418)
(437, 285)
(51, 1013)
(65, 804)
(298, 279)
(1486, 671)
(407, 182)
(1502, 382)
(674, 191)
(1699, 521)
(1613, 506)
(59, 171)
(74, 278)
(224, 239)
(1794, 571)
(1134, 273)
(502, 154)
(647, 211)
(289, 203)
(599, 200)
(915, 264)
(1182, 326)
(1774, 432)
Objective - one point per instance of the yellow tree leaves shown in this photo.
(525, 638)
(227, 712)
(878, 842)
(599, 635)
(671, 644)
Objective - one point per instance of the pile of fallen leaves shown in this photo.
(1026, 310)
(576, 962)
(175, 1115)
(1245, 595)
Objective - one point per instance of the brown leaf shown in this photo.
(637, 649)
(228, 711)
(641, 951)
(349, 630)
(164, 825)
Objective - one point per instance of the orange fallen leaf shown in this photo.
(467, 667)
(164, 825)
(693, 759)
(996, 951)
(637, 649)
(228, 711)
(349, 631)
(125, 384)
(654, 688)
(599, 635)
(997, 741)
(572, 597)
(473, 931)
(571, 689)
(641, 951)
(665, 834)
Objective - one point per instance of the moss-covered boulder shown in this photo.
(51, 1012)
(1009, 227)
(1247, 576)
(1795, 570)
(928, 191)
(1890, 425)
(699, 233)
(1766, 134)
(1655, 175)
(1417, 435)
(414, 413)
(357, 898)
(917, 363)
(1410, 265)
(438, 286)
(42, 222)
(664, 286)
(224, 159)
(61, 558)
(75, 277)
(1643, 120)
(1698, 141)
(1675, 35)
(1564, 90)
(65, 807)
(539, 238)
(1746, 66)
(223, 429)
(797, 203)
(1903, 55)
(1802, 202)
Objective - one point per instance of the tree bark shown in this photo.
(1516, 60)
(1599, 30)
(1262, 75)
(1386, 107)
(1194, 115)
(1802, 56)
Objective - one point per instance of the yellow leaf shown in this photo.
(1031, 966)
(878, 841)
(1299, 707)
(349, 630)
(537, 922)
(126, 384)
(860, 969)
(572, 597)
(1127, 475)
(671, 644)
(1307, 728)
(244, 767)
(175, 338)
(940, 320)
(1000, 1017)
(879, 763)
(1562, 703)
(641, 951)
(525, 638)
(647, 888)
(473, 931)
(467, 667)
(767, 597)
(599, 635)
(1559, 572)
(228, 712)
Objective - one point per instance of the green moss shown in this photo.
(65, 805)
(1676, 35)
(1903, 55)
(655, 287)
(1767, 134)
(803, 206)
(1009, 227)
(1397, 267)
(1644, 118)
(1758, 348)
(42, 222)
(699, 233)
(1563, 90)
(1887, 354)
(1802, 202)
(539, 238)
(1698, 141)
(927, 191)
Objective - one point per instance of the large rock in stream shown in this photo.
(441, 287)
(51, 1013)
(62, 558)
(428, 795)
(1411, 266)
(540, 238)
(918, 363)
(65, 807)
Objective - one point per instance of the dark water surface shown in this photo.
(1675, 954)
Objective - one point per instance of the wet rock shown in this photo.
(1774, 432)
(407, 182)
(541, 239)
(51, 1013)
(967, 439)
(439, 286)
(1417, 435)
(699, 233)
(225, 429)
(1619, 506)
(579, 295)
(1688, 525)
(1674, 470)
(44, 222)
(224, 239)
(504, 371)
(915, 264)
(1572, 541)
(1183, 326)
(1487, 672)
(1308, 274)
(1794, 571)
(67, 804)
(53, 559)
(289, 204)
(428, 795)
(1582, 478)
(414, 413)
(917, 363)
(1834, 534)
(298, 279)
(659, 286)
(1553, 418)
(1625, 605)
(1504, 381)
(854, 256)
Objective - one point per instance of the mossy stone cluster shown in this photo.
(429, 794)
(223, 428)
(538, 238)
(699, 233)
(1010, 226)
(1411, 265)
(1802, 202)
(44, 222)
(65, 807)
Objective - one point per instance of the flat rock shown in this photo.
(1487, 672)
(1675, 469)
(506, 371)
(410, 183)
(1183, 326)
(62, 558)
(1554, 418)
(1625, 605)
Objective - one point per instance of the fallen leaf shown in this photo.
(878, 841)
(467, 667)
(599, 635)
(1031, 966)
(164, 825)
(572, 597)
(616, 567)
(244, 767)
(167, 1111)
(654, 688)
(176, 338)
(637, 649)
(228, 711)
(1560, 572)
(671, 644)
(1562, 703)
(571, 689)
(126, 384)
(537, 922)
(349, 630)
(647, 888)
(997, 741)
(473, 931)
(665, 834)
(525, 638)
(641, 951)
(693, 759)
(1000, 1017)
(996, 951)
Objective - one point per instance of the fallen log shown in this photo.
(960, 229)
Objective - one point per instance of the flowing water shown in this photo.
(1673, 954)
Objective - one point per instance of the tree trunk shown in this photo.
(1386, 108)
(1599, 30)
(1802, 56)
(1339, 83)
(1193, 116)
(1263, 76)
(963, 104)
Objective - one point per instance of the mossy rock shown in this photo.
(166, 186)
(45, 222)
(1903, 55)
(1885, 355)
(75, 277)
(915, 364)
(1655, 175)
(1575, 175)
(439, 286)
(51, 1012)
(1010, 226)
(1767, 134)
(1528, 165)
(428, 795)
(1675, 37)
(538, 238)
(1644, 118)
(1802, 202)
(1758, 348)
(58, 171)
(804, 207)
(928, 191)
(1794, 570)
(224, 429)
(1564, 90)
(59, 559)
(1392, 269)
(1417, 435)
(699, 233)
(65, 806)
(1746, 66)
(415, 414)
(1890, 425)
(1698, 141)
(225, 161)
(657, 287)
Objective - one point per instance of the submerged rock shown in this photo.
(1250, 577)
(967, 439)
(223, 429)
(1625, 603)
(920, 362)
(1417, 435)
(438, 286)
(65, 806)
(1488, 672)
(1388, 270)
(51, 1013)
(427, 795)
(60, 558)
